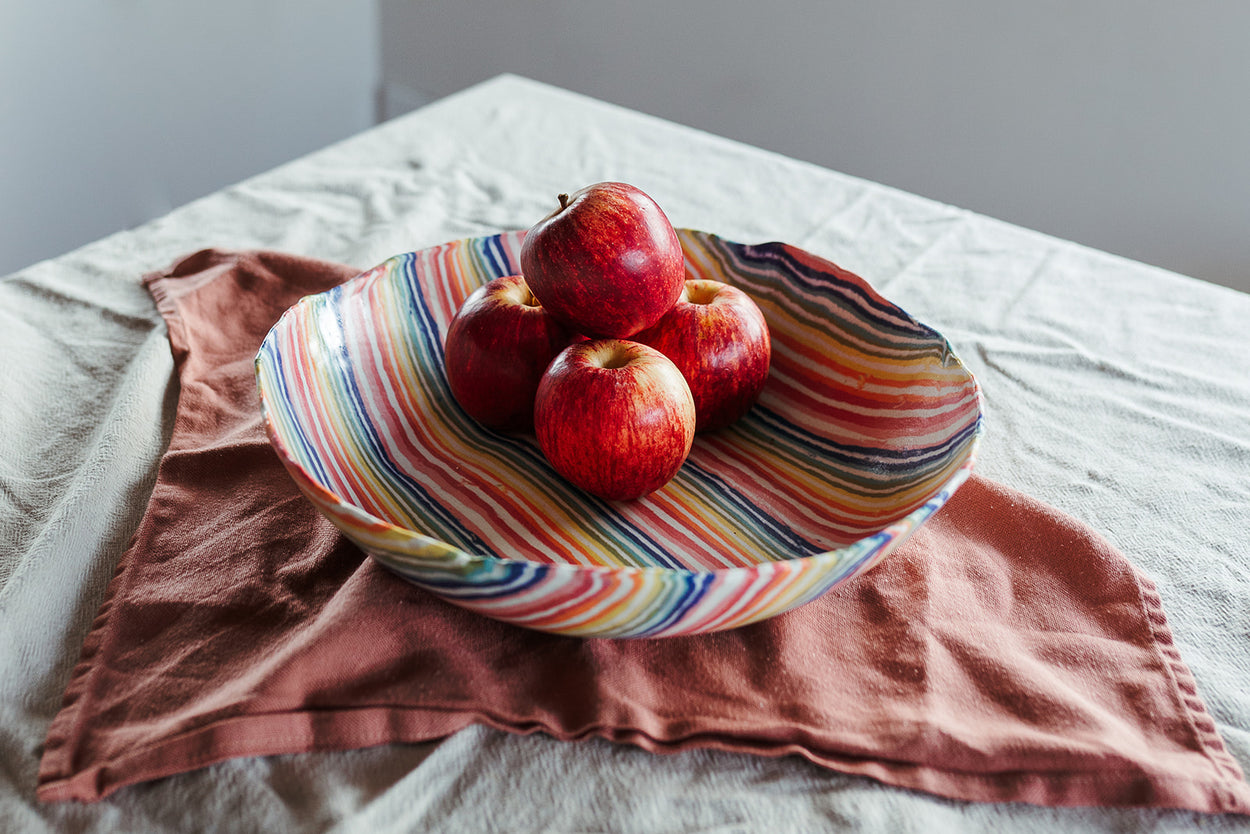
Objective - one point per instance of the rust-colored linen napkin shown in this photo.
(1005, 653)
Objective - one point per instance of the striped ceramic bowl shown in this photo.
(867, 425)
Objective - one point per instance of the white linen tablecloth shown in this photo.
(1117, 392)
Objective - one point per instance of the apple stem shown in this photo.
(564, 201)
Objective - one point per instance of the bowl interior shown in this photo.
(866, 416)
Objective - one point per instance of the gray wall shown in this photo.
(1122, 124)
(112, 112)
(1118, 123)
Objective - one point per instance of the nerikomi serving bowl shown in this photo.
(867, 425)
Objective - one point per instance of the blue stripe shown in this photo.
(307, 452)
(728, 495)
(825, 451)
(505, 579)
(772, 257)
(691, 588)
(492, 247)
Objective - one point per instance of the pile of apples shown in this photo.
(604, 349)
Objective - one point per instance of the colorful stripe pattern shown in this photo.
(867, 425)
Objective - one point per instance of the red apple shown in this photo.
(614, 417)
(607, 262)
(718, 338)
(496, 350)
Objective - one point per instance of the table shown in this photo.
(1115, 391)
